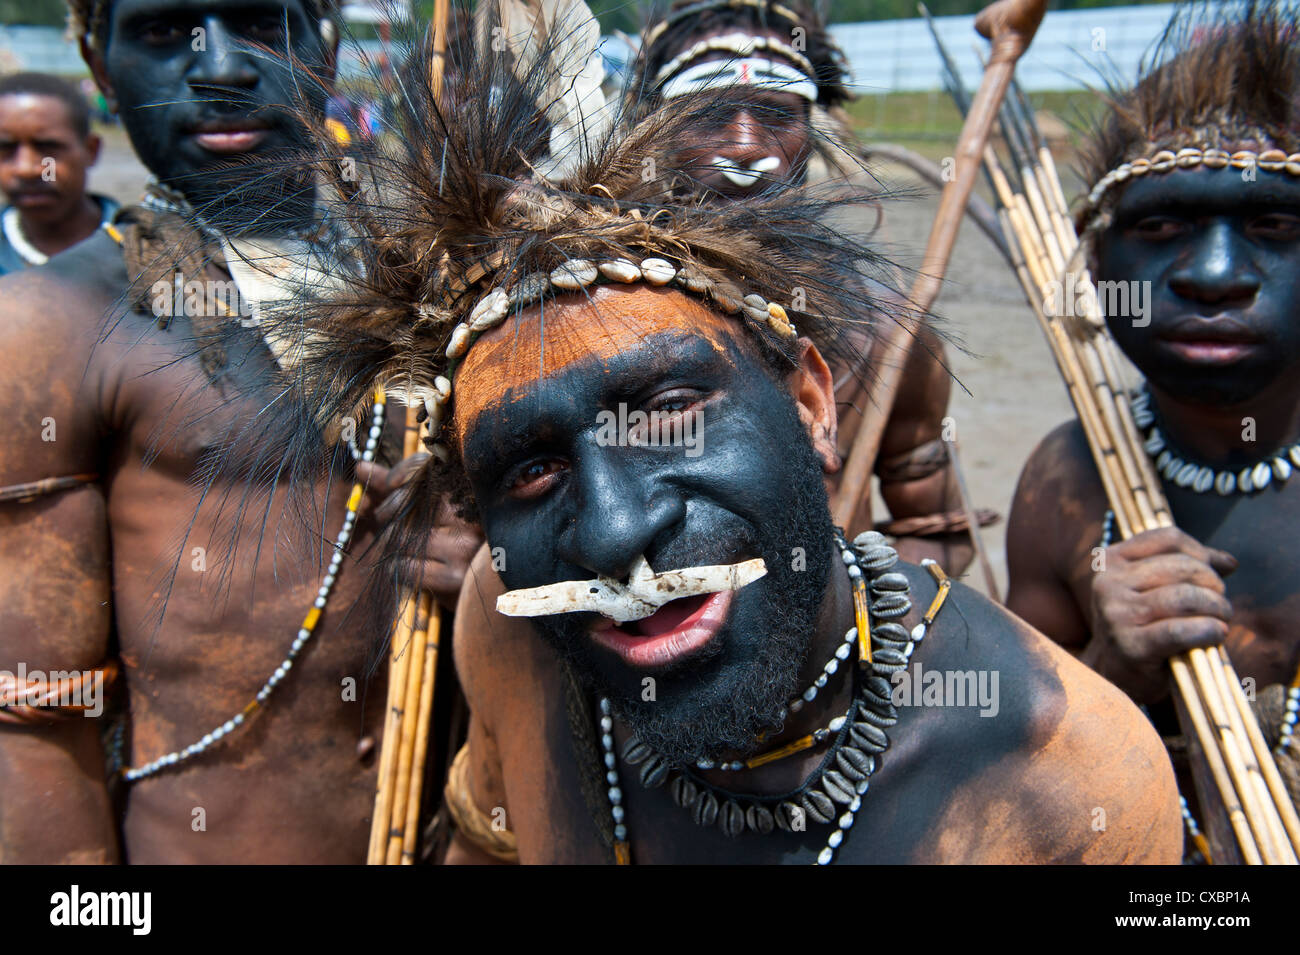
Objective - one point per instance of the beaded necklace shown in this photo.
(833, 793)
(12, 225)
(1201, 478)
(305, 632)
(310, 621)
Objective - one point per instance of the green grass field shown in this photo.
(930, 123)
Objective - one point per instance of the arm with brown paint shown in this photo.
(1145, 599)
(470, 646)
(917, 418)
(1038, 540)
(55, 584)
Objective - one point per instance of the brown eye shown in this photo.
(265, 28)
(1277, 226)
(162, 33)
(536, 478)
(1158, 228)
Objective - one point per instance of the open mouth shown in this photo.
(675, 631)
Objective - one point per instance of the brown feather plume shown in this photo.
(1222, 76)
(450, 205)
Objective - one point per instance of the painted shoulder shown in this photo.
(1058, 764)
(1060, 466)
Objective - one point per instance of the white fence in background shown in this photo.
(887, 56)
(40, 50)
(1069, 50)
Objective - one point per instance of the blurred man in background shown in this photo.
(46, 149)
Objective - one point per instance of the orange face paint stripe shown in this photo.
(541, 343)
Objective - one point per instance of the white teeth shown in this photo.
(766, 164)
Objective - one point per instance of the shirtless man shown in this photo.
(1214, 249)
(952, 787)
(794, 79)
(552, 317)
(84, 568)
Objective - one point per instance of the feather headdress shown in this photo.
(514, 187)
(1221, 87)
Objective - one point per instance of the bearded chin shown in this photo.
(722, 699)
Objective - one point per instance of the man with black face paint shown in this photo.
(789, 80)
(1196, 217)
(712, 673)
(721, 733)
(107, 441)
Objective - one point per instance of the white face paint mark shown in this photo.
(745, 176)
(643, 594)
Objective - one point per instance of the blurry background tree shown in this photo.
(41, 13)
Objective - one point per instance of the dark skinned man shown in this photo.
(758, 135)
(952, 787)
(614, 388)
(1214, 239)
(46, 149)
(206, 776)
(794, 79)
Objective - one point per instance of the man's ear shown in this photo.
(813, 388)
(95, 60)
(93, 146)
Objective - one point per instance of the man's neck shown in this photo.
(53, 237)
(1232, 436)
(833, 620)
(237, 213)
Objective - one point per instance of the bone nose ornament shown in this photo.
(643, 594)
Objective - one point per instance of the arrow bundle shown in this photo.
(1045, 253)
(413, 655)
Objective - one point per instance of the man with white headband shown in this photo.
(789, 80)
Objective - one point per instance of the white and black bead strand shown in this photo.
(1286, 732)
(828, 670)
(867, 739)
(614, 792)
(304, 633)
(833, 793)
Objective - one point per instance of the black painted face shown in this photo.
(1222, 256)
(565, 504)
(196, 97)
